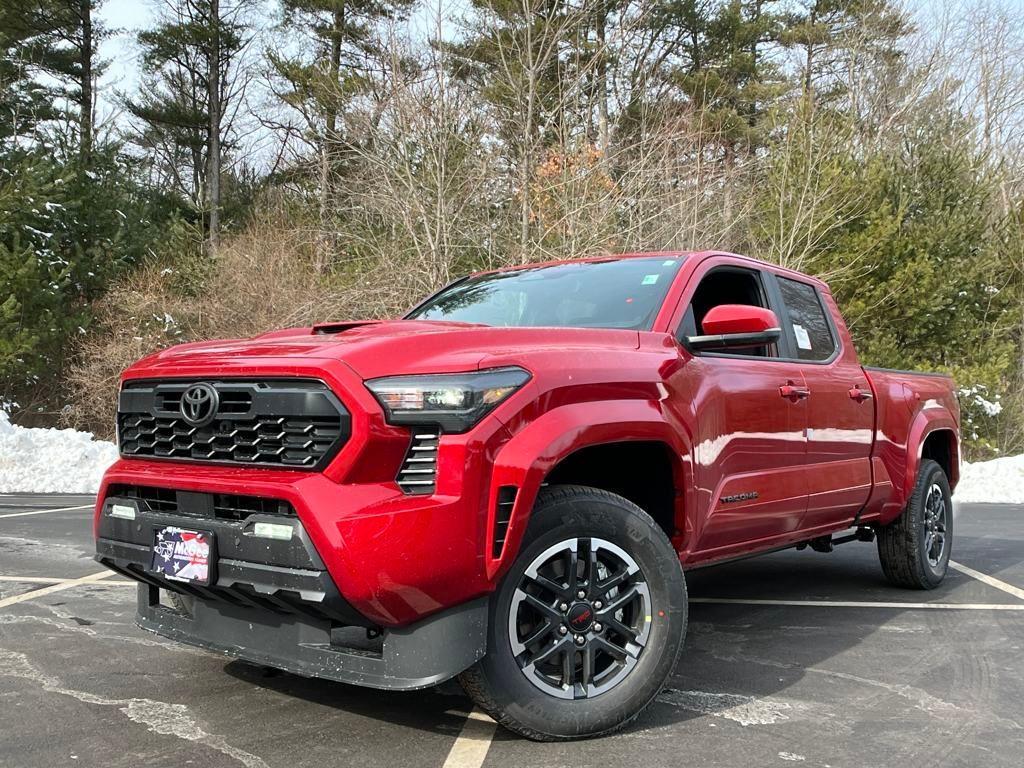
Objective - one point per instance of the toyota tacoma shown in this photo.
(508, 484)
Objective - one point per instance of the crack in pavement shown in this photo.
(158, 716)
(87, 629)
(920, 698)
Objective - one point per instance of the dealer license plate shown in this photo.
(182, 555)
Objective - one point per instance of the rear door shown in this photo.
(839, 408)
(749, 419)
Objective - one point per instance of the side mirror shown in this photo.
(735, 326)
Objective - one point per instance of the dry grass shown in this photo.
(263, 279)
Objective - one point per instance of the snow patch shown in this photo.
(51, 460)
(999, 481)
(745, 710)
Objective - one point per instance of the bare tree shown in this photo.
(193, 86)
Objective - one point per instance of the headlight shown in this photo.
(455, 401)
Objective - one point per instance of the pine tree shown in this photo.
(191, 82)
(513, 52)
(25, 101)
(726, 75)
(321, 86)
(835, 36)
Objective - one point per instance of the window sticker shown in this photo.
(668, 262)
(649, 279)
(803, 339)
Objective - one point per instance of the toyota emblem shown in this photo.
(199, 404)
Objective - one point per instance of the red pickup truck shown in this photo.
(508, 484)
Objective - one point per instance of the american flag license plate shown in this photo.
(182, 555)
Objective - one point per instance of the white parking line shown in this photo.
(13, 599)
(470, 748)
(46, 511)
(986, 579)
(865, 604)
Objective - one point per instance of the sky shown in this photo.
(125, 18)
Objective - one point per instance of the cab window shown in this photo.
(727, 285)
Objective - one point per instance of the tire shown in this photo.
(636, 589)
(914, 549)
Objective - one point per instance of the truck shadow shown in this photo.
(740, 658)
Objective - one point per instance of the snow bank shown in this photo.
(66, 461)
(999, 481)
(51, 460)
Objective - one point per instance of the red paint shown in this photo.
(785, 443)
(737, 318)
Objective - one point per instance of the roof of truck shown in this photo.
(657, 255)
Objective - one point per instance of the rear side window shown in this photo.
(811, 333)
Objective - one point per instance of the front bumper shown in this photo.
(394, 558)
(273, 602)
(282, 577)
(416, 656)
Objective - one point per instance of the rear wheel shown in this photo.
(588, 623)
(914, 549)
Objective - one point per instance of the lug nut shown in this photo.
(598, 627)
(580, 640)
(598, 605)
(563, 630)
(563, 607)
(581, 594)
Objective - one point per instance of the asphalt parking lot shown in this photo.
(795, 657)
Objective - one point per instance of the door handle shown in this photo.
(793, 392)
(860, 395)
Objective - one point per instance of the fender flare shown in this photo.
(926, 422)
(527, 458)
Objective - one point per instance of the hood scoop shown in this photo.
(329, 329)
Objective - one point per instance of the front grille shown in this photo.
(156, 499)
(418, 474)
(296, 424)
(208, 505)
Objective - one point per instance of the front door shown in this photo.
(750, 414)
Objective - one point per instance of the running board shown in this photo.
(828, 543)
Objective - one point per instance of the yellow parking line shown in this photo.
(470, 748)
(13, 599)
(54, 580)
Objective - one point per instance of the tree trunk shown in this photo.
(729, 163)
(213, 151)
(809, 65)
(85, 115)
(335, 64)
(602, 83)
(329, 137)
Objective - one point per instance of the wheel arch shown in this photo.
(572, 445)
(940, 445)
(933, 435)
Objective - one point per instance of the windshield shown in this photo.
(622, 293)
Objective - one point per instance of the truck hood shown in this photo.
(394, 347)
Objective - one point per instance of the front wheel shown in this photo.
(914, 549)
(587, 625)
